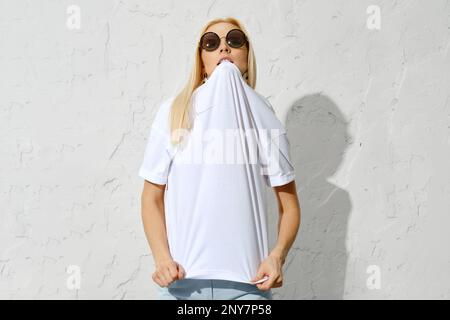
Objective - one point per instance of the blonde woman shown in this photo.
(207, 225)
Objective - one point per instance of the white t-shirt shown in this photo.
(216, 181)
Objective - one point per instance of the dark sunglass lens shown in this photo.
(236, 38)
(210, 41)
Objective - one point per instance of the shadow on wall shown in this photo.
(316, 264)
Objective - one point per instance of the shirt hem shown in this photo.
(216, 274)
(152, 177)
(279, 181)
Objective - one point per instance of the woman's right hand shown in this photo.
(168, 271)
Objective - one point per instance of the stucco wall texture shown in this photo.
(363, 88)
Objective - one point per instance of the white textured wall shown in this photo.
(367, 112)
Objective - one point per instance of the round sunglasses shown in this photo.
(235, 38)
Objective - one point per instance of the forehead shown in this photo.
(221, 28)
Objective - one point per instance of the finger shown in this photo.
(181, 272)
(158, 280)
(154, 278)
(278, 283)
(173, 271)
(259, 275)
(266, 285)
(168, 274)
(165, 276)
(164, 281)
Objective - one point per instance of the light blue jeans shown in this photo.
(212, 289)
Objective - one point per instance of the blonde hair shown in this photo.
(179, 114)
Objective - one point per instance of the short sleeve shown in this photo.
(158, 153)
(279, 169)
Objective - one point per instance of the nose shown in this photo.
(224, 45)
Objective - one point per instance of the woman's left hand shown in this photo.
(271, 267)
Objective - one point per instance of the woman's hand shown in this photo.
(271, 267)
(167, 271)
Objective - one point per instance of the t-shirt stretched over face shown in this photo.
(217, 178)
